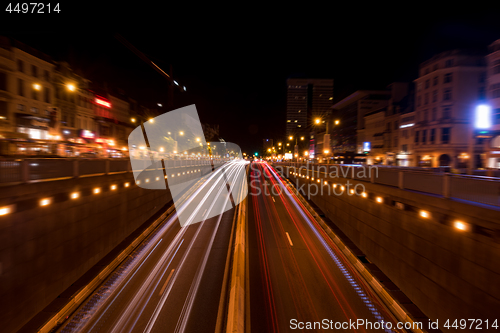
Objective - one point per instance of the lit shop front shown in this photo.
(34, 127)
(405, 160)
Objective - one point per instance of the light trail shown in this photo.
(359, 291)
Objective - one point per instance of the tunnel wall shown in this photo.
(44, 249)
(448, 273)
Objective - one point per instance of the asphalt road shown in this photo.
(173, 281)
(296, 273)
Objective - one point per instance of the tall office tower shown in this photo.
(307, 99)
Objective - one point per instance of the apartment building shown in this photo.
(74, 101)
(449, 87)
(26, 92)
(492, 147)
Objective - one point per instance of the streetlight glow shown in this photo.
(461, 225)
(425, 214)
(5, 210)
(45, 202)
(71, 87)
(317, 121)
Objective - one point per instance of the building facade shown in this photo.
(449, 87)
(74, 102)
(47, 107)
(379, 138)
(348, 134)
(492, 146)
(26, 92)
(373, 136)
(307, 99)
(405, 156)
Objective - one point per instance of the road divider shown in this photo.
(236, 302)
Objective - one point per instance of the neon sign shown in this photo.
(103, 102)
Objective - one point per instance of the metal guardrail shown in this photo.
(480, 189)
(13, 171)
(10, 171)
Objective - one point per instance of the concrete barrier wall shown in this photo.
(448, 273)
(44, 249)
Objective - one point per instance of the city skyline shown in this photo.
(229, 80)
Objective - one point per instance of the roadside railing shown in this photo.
(480, 189)
(28, 170)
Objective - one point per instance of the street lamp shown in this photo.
(326, 152)
(337, 122)
(70, 86)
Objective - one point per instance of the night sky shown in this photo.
(234, 61)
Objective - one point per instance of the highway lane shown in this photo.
(172, 283)
(295, 271)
